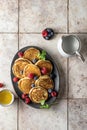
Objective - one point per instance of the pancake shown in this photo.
(45, 82)
(37, 94)
(24, 85)
(31, 54)
(30, 68)
(19, 66)
(45, 63)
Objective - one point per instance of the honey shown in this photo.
(5, 97)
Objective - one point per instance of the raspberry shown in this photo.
(44, 33)
(27, 100)
(31, 75)
(54, 94)
(44, 70)
(24, 96)
(15, 79)
(20, 54)
(1, 85)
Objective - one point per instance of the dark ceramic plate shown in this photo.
(54, 72)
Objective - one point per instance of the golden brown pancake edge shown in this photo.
(31, 68)
(18, 67)
(24, 85)
(31, 54)
(44, 81)
(45, 63)
(37, 94)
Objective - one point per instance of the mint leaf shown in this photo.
(42, 55)
(44, 52)
(42, 102)
(42, 106)
(45, 106)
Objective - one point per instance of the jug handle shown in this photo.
(80, 56)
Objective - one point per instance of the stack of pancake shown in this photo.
(38, 86)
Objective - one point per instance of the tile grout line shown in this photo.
(8, 32)
(67, 114)
(67, 69)
(40, 32)
(18, 24)
(67, 93)
(18, 49)
(17, 113)
(67, 16)
(55, 32)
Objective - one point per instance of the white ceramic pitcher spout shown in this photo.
(70, 46)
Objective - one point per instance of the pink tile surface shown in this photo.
(8, 117)
(78, 73)
(37, 15)
(77, 16)
(78, 114)
(8, 15)
(7, 52)
(38, 119)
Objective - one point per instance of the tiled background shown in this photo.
(21, 23)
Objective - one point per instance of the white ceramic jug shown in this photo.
(70, 46)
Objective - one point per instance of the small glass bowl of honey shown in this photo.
(6, 97)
